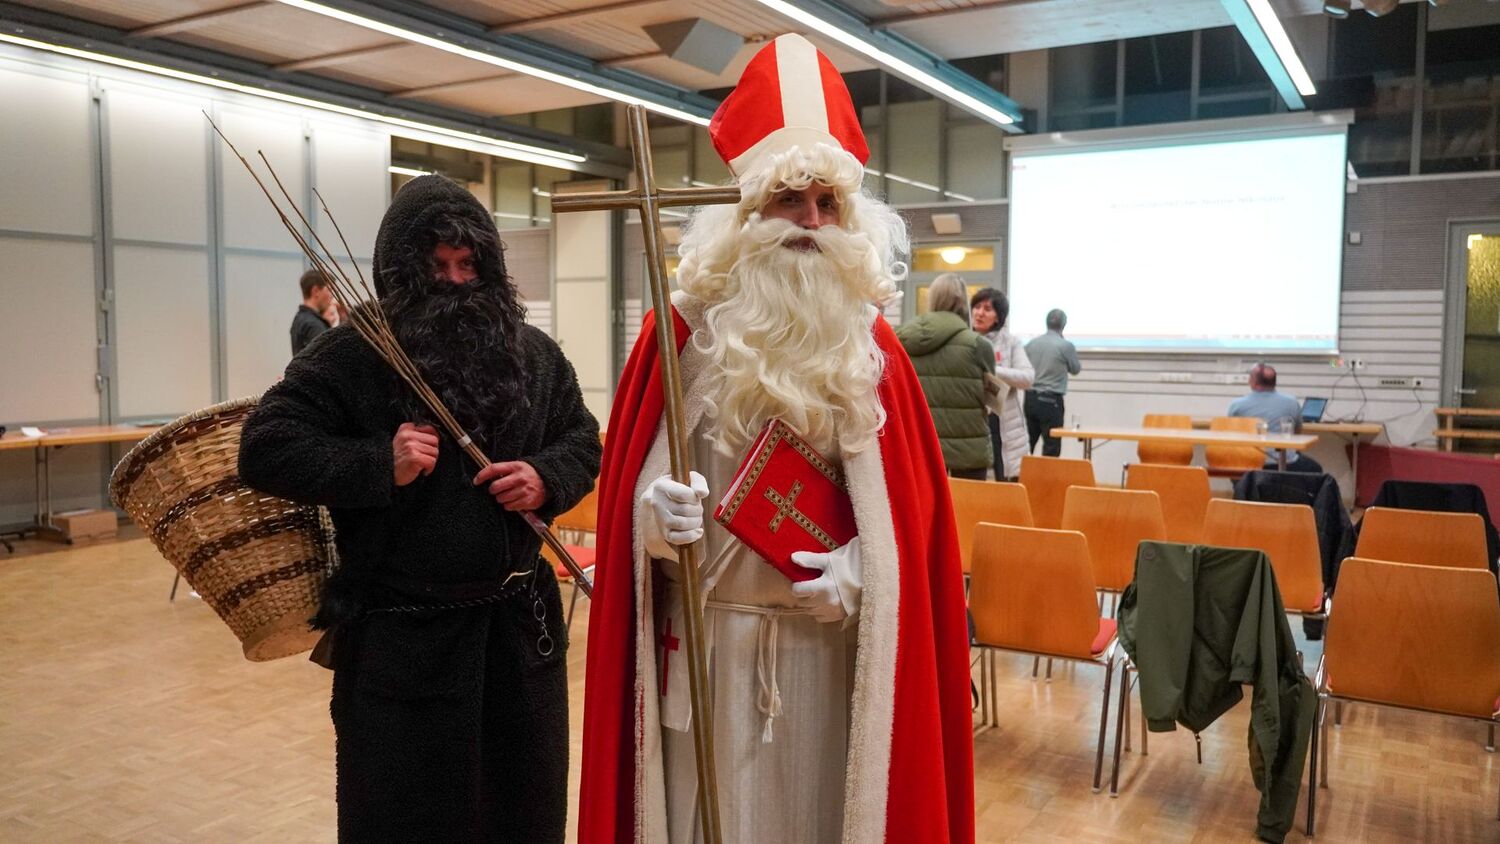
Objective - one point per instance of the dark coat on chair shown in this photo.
(1321, 493)
(1444, 498)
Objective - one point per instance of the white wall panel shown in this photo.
(349, 169)
(45, 154)
(261, 297)
(163, 340)
(158, 167)
(249, 221)
(48, 337)
(1118, 390)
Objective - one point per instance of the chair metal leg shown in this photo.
(572, 604)
(994, 701)
(1490, 745)
(1049, 670)
(1144, 732)
(1322, 726)
(1312, 769)
(1125, 724)
(1036, 665)
(1114, 777)
(176, 576)
(1338, 714)
(1109, 674)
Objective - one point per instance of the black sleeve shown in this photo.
(301, 442)
(568, 462)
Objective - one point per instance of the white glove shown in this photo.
(675, 515)
(834, 595)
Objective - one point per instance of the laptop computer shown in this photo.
(1312, 409)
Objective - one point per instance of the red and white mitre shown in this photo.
(790, 97)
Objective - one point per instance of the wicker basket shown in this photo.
(258, 560)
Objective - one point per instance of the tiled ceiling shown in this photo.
(613, 35)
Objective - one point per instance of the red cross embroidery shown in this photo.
(668, 644)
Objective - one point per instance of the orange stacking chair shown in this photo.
(1423, 537)
(574, 528)
(985, 501)
(1289, 536)
(1184, 496)
(1231, 461)
(1414, 637)
(1114, 521)
(1047, 480)
(1033, 593)
(1165, 453)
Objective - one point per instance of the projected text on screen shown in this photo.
(1196, 246)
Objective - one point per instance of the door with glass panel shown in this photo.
(977, 263)
(1471, 360)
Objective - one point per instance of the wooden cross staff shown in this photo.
(648, 199)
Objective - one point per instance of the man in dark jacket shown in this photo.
(309, 322)
(445, 630)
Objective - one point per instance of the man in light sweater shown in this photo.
(1282, 414)
(1054, 359)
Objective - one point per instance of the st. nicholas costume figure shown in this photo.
(445, 631)
(841, 704)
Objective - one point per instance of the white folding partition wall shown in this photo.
(583, 267)
(160, 266)
(143, 275)
(48, 248)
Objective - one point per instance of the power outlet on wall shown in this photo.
(1177, 377)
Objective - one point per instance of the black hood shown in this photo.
(404, 245)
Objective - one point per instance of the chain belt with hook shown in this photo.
(545, 644)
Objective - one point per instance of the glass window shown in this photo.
(1373, 64)
(1229, 66)
(1084, 76)
(1461, 106)
(1158, 78)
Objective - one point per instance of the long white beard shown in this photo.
(789, 335)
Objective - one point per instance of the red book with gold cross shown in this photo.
(786, 497)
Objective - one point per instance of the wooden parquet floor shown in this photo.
(127, 718)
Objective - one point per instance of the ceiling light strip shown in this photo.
(1268, 40)
(890, 62)
(492, 59)
(1282, 44)
(401, 127)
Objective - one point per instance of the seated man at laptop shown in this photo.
(1281, 413)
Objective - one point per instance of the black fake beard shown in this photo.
(462, 338)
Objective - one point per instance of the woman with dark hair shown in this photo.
(988, 310)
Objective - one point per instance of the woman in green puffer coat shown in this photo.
(951, 363)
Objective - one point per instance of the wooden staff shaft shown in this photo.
(677, 446)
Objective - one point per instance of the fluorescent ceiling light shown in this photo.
(916, 76)
(401, 127)
(923, 185)
(408, 171)
(489, 58)
(1271, 25)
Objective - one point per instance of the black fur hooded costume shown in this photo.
(451, 723)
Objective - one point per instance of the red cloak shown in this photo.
(929, 788)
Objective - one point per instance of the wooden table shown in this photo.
(1450, 432)
(59, 438)
(1282, 443)
(1352, 430)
